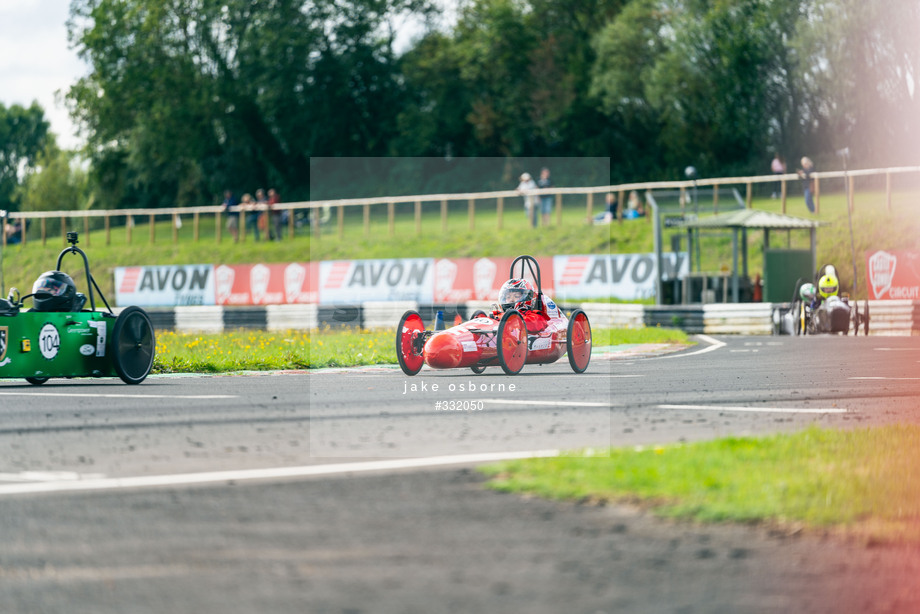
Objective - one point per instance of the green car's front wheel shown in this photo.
(36, 381)
(133, 344)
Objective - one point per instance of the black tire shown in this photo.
(578, 341)
(866, 316)
(477, 369)
(512, 353)
(479, 313)
(133, 345)
(854, 318)
(36, 381)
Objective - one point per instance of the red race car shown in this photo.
(525, 327)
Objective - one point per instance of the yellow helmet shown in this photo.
(828, 286)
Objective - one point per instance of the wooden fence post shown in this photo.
(153, 231)
(888, 190)
(851, 188)
(129, 223)
(559, 210)
(195, 227)
(108, 229)
(715, 199)
(590, 204)
(175, 228)
(817, 196)
(391, 217)
(44, 232)
(340, 215)
(472, 213)
(367, 220)
(63, 230)
(500, 210)
(444, 215)
(86, 230)
(747, 196)
(418, 217)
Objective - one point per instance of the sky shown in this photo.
(35, 61)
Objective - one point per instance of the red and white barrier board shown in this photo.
(355, 281)
(266, 284)
(424, 280)
(166, 285)
(479, 279)
(624, 276)
(893, 274)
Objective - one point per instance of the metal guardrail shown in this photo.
(894, 318)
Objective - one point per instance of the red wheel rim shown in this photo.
(410, 327)
(512, 348)
(579, 342)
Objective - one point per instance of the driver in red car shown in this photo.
(520, 294)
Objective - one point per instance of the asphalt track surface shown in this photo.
(348, 491)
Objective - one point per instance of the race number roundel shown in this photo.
(49, 341)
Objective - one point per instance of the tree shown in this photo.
(187, 98)
(23, 135)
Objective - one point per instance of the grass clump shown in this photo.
(863, 482)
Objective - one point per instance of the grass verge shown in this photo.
(863, 483)
(252, 350)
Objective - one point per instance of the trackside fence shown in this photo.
(316, 218)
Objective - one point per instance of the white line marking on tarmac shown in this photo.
(714, 344)
(886, 378)
(766, 410)
(897, 349)
(547, 403)
(48, 476)
(210, 477)
(74, 395)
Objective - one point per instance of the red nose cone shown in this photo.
(443, 351)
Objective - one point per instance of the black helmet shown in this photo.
(61, 288)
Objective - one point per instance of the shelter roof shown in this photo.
(750, 218)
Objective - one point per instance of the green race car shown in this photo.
(57, 337)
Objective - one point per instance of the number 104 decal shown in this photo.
(49, 341)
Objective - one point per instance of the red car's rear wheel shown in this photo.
(578, 341)
(512, 342)
(409, 354)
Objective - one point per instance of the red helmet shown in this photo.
(515, 291)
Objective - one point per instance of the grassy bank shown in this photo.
(862, 482)
(875, 226)
(261, 350)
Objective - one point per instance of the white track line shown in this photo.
(547, 403)
(211, 477)
(714, 344)
(766, 410)
(886, 378)
(75, 395)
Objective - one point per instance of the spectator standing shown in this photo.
(232, 210)
(808, 167)
(527, 183)
(778, 166)
(247, 208)
(276, 216)
(259, 217)
(546, 200)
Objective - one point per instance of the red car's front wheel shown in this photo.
(408, 332)
(512, 342)
(578, 341)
